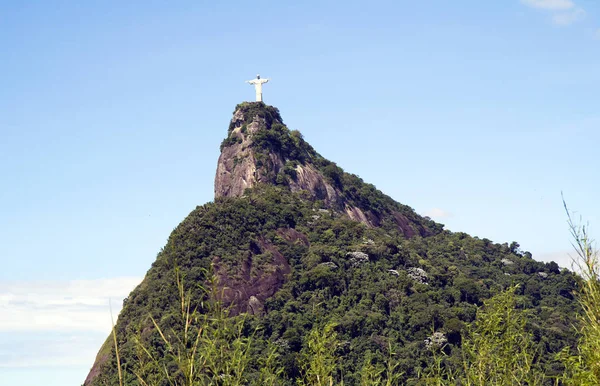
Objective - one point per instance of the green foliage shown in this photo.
(498, 350)
(252, 110)
(230, 140)
(583, 366)
(204, 348)
(271, 372)
(374, 373)
(371, 373)
(334, 173)
(290, 169)
(117, 357)
(319, 357)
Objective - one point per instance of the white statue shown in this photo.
(258, 82)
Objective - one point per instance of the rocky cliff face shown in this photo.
(252, 284)
(243, 162)
(260, 149)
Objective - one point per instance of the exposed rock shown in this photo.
(358, 214)
(101, 359)
(311, 180)
(418, 275)
(329, 264)
(507, 262)
(237, 168)
(405, 225)
(358, 258)
(543, 275)
(255, 306)
(293, 236)
(394, 272)
(238, 288)
(282, 343)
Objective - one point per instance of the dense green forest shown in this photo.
(385, 293)
(276, 287)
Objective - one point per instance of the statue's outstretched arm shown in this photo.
(266, 80)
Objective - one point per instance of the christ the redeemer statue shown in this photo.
(258, 82)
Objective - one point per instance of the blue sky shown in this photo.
(477, 113)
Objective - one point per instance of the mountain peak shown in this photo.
(260, 149)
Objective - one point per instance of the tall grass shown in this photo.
(210, 349)
(319, 362)
(114, 334)
(380, 374)
(496, 349)
(319, 358)
(583, 366)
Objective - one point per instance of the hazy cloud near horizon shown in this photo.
(437, 213)
(27, 350)
(62, 306)
(562, 258)
(57, 323)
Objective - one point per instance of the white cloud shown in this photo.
(553, 5)
(57, 323)
(562, 258)
(562, 12)
(568, 18)
(49, 349)
(437, 213)
(81, 305)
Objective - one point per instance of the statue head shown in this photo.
(257, 76)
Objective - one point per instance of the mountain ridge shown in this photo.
(261, 149)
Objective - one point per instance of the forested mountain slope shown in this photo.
(292, 242)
